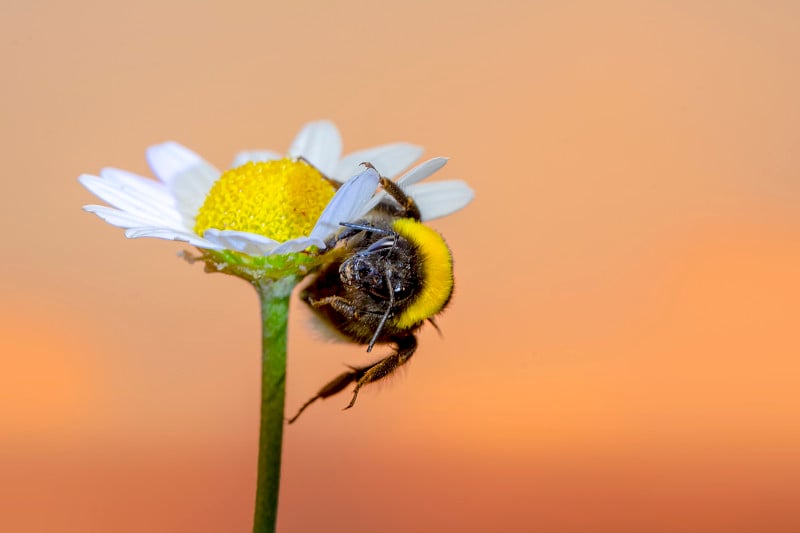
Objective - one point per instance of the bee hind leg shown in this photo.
(406, 346)
(335, 386)
(408, 205)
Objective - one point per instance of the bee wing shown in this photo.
(347, 204)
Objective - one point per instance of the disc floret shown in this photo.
(280, 200)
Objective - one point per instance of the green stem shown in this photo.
(274, 295)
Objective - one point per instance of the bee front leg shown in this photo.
(342, 305)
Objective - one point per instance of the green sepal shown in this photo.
(258, 268)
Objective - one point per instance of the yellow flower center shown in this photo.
(279, 199)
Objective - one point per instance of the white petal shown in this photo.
(420, 172)
(187, 175)
(297, 245)
(171, 235)
(347, 204)
(320, 144)
(389, 159)
(254, 244)
(241, 241)
(131, 200)
(155, 190)
(372, 203)
(254, 156)
(170, 161)
(440, 198)
(122, 219)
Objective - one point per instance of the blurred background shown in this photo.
(622, 351)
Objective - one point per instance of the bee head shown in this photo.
(381, 265)
(364, 272)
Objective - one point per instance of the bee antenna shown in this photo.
(379, 328)
(366, 227)
(385, 315)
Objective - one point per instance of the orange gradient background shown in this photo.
(622, 352)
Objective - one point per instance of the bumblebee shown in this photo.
(389, 274)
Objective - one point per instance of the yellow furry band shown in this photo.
(437, 272)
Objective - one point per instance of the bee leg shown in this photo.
(406, 346)
(410, 208)
(335, 386)
(344, 306)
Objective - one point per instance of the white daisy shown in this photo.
(267, 204)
